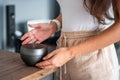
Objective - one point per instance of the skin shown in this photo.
(45, 30)
(62, 55)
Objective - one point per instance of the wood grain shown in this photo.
(13, 68)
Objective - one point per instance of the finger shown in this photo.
(44, 63)
(38, 42)
(49, 56)
(41, 66)
(44, 66)
(32, 41)
(34, 25)
(48, 67)
(25, 36)
(26, 41)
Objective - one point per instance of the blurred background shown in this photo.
(14, 15)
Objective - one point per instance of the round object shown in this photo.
(33, 53)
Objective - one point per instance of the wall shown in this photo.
(1, 22)
(26, 10)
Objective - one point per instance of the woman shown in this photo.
(85, 47)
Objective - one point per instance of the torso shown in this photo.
(76, 18)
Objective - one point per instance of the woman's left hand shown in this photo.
(56, 58)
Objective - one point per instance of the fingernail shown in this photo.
(44, 58)
(23, 43)
(36, 64)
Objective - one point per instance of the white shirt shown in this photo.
(76, 18)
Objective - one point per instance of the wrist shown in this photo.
(71, 52)
(58, 24)
(74, 50)
(53, 27)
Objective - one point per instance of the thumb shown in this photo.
(34, 25)
(49, 56)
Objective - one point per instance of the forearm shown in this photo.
(105, 38)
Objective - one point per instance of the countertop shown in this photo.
(13, 68)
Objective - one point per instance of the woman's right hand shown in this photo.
(40, 33)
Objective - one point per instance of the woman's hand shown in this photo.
(40, 33)
(56, 59)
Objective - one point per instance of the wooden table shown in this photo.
(13, 68)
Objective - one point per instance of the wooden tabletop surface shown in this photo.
(13, 68)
